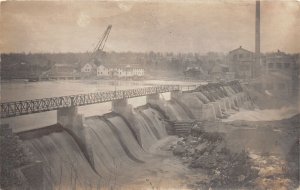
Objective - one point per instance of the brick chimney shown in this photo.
(257, 39)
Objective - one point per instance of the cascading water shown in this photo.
(175, 112)
(108, 151)
(157, 121)
(126, 138)
(202, 97)
(65, 166)
(146, 132)
(114, 146)
(229, 90)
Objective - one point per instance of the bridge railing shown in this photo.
(11, 109)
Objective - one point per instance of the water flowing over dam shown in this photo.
(113, 145)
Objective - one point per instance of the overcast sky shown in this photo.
(201, 26)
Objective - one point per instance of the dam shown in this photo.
(182, 97)
(95, 151)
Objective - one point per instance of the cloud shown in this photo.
(83, 19)
(125, 6)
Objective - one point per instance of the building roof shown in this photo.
(60, 65)
(194, 69)
(278, 54)
(122, 66)
(217, 68)
(91, 63)
(240, 48)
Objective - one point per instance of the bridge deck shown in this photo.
(12, 109)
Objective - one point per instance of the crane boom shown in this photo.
(100, 45)
(103, 39)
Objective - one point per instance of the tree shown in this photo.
(12, 156)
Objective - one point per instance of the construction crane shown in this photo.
(99, 48)
(103, 39)
(101, 43)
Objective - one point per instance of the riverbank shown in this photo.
(231, 160)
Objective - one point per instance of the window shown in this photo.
(271, 65)
(234, 57)
(278, 65)
(287, 65)
(264, 64)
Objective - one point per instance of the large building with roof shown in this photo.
(120, 71)
(88, 67)
(61, 71)
(279, 76)
(278, 62)
(240, 62)
(194, 73)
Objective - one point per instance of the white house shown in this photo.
(102, 71)
(87, 68)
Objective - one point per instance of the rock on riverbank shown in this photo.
(208, 151)
(212, 149)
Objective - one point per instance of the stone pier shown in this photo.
(119, 106)
(217, 109)
(153, 99)
(73, 123)
(176, 94)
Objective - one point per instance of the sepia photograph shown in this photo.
(149, 94)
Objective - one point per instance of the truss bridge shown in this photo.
(17, 108)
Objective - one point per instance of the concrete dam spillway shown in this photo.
(107, 149)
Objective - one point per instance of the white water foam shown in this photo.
(264, 115)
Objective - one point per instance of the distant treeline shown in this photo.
(21, 65)
(26, 65)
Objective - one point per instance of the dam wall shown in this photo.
(207, 102)
(94, 151)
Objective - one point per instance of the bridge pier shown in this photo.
(217, 109)
(227, 103)
(152, 98)
(125, 110)
(176, 94)
(67, 117)
(119, 106)
(73, 123)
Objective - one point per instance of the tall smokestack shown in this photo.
(257, 37)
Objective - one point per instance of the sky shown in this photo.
(140, 26)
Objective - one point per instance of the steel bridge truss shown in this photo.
(12, 109)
